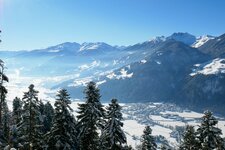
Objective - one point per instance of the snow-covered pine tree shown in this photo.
(147, 140)
(190, 141)
(29, 128)
(6, 123)
(48, 117)
(208, 134)
(3, 92)
(113, 137)
(90, 118)
(16, 119)
(63, 135)
(42, 116)
(17, 110)
(41, 108)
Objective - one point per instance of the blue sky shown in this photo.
(32, 24)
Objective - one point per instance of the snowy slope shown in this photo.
(202, 40)
(215, 66)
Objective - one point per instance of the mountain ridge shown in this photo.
(161, 69)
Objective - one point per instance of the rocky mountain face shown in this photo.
(158, 77)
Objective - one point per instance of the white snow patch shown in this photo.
(159, 130)
(90, 66)
(197, 65)
(100, 82)
(214, 67)
(115, 62)
(128, 66)
(158, 62)
(185, 114)
(54, 51)
(202, 40)
(133, 128)
(143, 61)
(124, 74)
(80, 82)
(111, 75)
(158, 39)
(89, 46)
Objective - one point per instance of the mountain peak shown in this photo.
(184, 37)
(201, 40)
(93, 46)
(68, 46)
(158, 39)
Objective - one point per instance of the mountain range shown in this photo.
(181, 68)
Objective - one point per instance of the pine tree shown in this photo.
(113, 136)
(16, 119)
(29, 127)
(3, 92)
(90, 118)
(42, 116)
(17, 110)
(41, 108)
(6, 123)
(209, 135)
(13, 137)
(63, 135)
(148, 141)
(48, 113)
(189, 141)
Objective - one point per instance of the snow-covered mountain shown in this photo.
(202, 40)
(214, 47)
(161, 69)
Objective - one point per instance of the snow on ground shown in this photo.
(111, 75)
(54, 51)
(80, 82)
(160, 130)
(213, 67)
(185, 114)
(133, 129)
(162, 118)
(143, 61)
(94, 64)
(100, 82)
(158, 62)
(89, 46)
(123, 74)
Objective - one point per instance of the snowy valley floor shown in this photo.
(164, 119)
